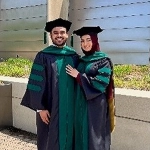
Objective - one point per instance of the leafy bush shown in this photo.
(15, 67)
(125, 76)
(132, 76)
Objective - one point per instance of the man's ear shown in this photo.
(50, 34)
(67, 35)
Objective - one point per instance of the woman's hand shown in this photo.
(71, 71)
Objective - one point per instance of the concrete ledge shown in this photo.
(131, 92)
(23, 118)
(132, 111)
(6, 118)
(131, 135)
(133, 107)
(133, 104)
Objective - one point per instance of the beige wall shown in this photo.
(57, 9)
(28, 39)
(21, 27)
(126, 35)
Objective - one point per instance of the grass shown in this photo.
(132, 76)
(15, 67)
(125, 76)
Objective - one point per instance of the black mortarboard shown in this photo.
(57, 23)
(87, 30)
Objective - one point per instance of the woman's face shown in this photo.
(86, 43)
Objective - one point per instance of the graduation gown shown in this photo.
(51, 88)
(92, 122)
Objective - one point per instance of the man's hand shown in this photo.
(45, 116)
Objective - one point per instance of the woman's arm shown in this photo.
(95, 85)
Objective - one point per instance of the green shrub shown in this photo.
(125, 76)
(132, 76)
(15, 67)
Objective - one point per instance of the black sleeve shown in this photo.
(76, 60)
(96, 82)
(35, 91)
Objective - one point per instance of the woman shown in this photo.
(95, 87)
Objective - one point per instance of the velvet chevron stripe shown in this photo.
(103, 79)
(105, 70)
(100, 82)
(36, 77)
(34, 87)
(37, 67)
(99, 86)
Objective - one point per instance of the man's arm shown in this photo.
(45, 116)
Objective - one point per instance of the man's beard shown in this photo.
(59, 45)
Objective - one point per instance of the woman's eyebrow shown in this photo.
(87, 38)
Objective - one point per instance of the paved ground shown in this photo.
(14, 139)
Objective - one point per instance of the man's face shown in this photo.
(59, 36)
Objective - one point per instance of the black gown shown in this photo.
(50, 88)
(92, 122)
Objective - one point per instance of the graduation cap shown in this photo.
(87, 30)
(57, 23)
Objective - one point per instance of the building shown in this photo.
(126, 24)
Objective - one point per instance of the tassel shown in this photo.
(71, 41)
(45, 37)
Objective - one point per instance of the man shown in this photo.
(50, 91)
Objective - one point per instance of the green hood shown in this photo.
(93, 57)
(60, 51)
